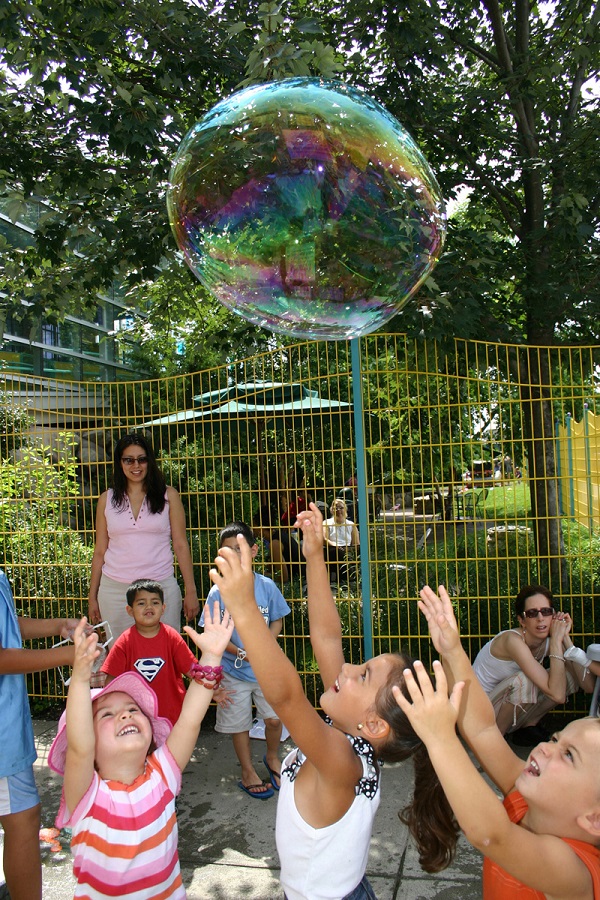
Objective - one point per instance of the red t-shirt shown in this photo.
(499, 885)
(161, 660)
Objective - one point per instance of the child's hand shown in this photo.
(431, 713)
(86, 651)
(233, 575)
(217, 633)
(223, 697)
(68, 629)
(440, 618)
(310, 522)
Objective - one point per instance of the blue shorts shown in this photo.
(18, 792)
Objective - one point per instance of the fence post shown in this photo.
(363, 507)
(588, 467)
(570, 462)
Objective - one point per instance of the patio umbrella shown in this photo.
(258, 400)
(257, 403)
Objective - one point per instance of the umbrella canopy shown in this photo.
(256, 400)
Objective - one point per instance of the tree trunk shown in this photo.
(538, 421)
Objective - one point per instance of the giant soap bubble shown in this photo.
(306, 208)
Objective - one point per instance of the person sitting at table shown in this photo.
(511, 668)
(340, 535)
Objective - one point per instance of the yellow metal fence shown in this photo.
(445, 478)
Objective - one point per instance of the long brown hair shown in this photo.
(428, 815)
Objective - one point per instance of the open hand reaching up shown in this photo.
(217, 632)
(310, 523)
(232, 573)
(440, 617)
(430, 711)
(86, 651)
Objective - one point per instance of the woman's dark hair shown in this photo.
(428, 816)
(154, 483)
(529, 591)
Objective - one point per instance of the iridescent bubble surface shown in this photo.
(306, 208)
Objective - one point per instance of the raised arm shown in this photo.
(541, 861)
(212, 643)
(281, 685)
(81, 742)
(181, 549)
(323, 618)
(476, 719)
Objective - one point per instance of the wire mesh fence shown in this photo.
(462, 484)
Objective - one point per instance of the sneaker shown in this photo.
(529, 736)
(258, 731)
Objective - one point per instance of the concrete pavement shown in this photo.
(227, 839)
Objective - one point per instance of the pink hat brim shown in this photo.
(140, 691)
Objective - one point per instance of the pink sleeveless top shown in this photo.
(137, 548)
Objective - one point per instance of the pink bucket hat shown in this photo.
(128, 683)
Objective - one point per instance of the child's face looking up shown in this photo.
(120, 727)
(561, 777)
(351, 698)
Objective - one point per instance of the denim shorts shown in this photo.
(18, 792)
(362, 891)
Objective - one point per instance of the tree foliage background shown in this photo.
(502, 96)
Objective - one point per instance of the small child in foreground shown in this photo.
(544, 841)
(122, 768)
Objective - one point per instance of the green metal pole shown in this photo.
(363, 502)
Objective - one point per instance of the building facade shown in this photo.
(76, 349)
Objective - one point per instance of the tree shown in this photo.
(501, 96)
(95, 97)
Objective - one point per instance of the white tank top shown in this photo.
(326, 863)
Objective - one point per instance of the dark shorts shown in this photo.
(362, 891)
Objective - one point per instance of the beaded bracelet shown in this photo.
(555, 656)
(213, 675)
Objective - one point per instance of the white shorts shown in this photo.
(237, 716)
(18, 792)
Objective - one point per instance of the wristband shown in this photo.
(212, 674)
(555, 656)
(576, 654)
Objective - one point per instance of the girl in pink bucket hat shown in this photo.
(122, 766)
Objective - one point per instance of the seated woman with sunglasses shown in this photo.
(140, 524)
(511, 667)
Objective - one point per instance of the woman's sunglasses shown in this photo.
(533, 613)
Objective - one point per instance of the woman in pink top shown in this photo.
(140, 524)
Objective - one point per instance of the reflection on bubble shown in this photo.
(306, 208)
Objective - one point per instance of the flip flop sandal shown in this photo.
(250, 789)
(273, 775)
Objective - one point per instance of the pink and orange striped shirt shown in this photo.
(125, 836)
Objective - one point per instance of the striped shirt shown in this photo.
(125, 836)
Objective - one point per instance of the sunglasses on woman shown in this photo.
(132, 460)
(533, 613)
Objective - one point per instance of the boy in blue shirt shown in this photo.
(234, 714)
(19, 800)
